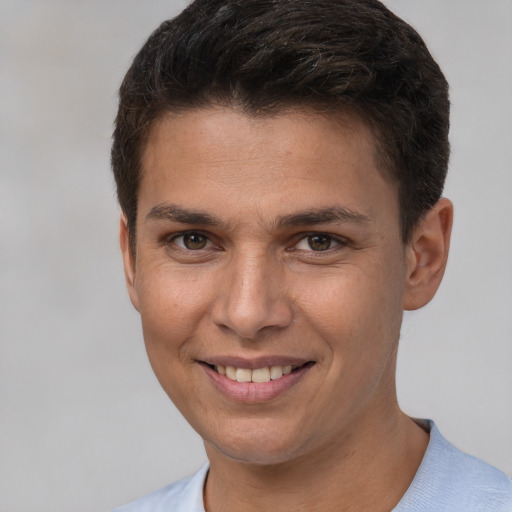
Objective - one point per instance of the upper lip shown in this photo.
(254, 362)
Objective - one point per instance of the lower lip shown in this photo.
(255, 392)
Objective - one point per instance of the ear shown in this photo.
(128, 260)
(427, 254)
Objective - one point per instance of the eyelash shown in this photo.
(304, 238)
(172, 240)
(333, 242)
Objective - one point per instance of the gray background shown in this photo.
(84, 425)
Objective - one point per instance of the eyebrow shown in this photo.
(322, 216)
(175, 213)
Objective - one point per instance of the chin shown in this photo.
(257, 444)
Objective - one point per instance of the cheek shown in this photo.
(171, 308)
(357, 310)
(172, 305)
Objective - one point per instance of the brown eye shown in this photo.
(191, 241)
(319, 242)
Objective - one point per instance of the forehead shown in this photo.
(204, 124)
(263, 161)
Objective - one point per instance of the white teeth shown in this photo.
(276, 372)
(243, 375)
(231, 372)
(259, 375)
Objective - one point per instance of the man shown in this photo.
(280, 166)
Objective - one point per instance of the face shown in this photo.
(268, 249)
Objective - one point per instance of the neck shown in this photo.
(369, 469)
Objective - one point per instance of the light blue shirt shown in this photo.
(446, 481)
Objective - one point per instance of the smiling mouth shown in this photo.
(257, 375)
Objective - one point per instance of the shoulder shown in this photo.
(186, 494)
(450, 480)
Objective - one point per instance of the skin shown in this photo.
(256, 284)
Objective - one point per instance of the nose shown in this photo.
(252, 298)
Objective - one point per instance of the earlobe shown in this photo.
(427, 254)
(128, 260)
